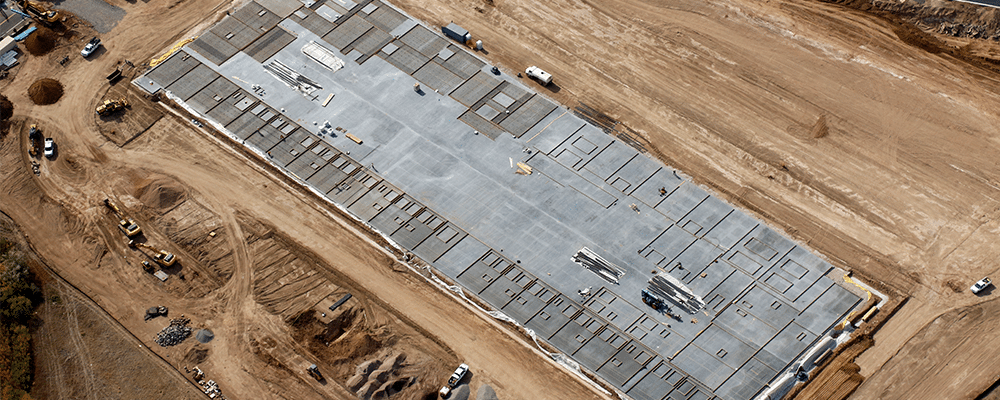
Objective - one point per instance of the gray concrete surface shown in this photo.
(425, 177)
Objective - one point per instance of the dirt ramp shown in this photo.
(160, 192)
(45, 91)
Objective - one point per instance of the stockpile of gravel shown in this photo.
(204, 335)
(486, 392)
(175, 333)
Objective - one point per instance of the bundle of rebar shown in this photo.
(667, 287)
(291, 78)
(598, 265)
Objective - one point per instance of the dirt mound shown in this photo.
(40, 42)
(45, 91)
(486, 392)
(160, 192)
(820, 129)
(6, 108)
(196, 355)
(204, 336)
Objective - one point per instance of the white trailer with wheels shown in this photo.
(543, 77)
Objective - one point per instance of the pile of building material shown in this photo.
(598, 265)
(323, 56)
(668, 287)
(293, 79)
(175, 333)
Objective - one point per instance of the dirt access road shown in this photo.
(818, 118)
(181, 185)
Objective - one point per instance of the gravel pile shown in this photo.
(175, 333)
(486, 392)
(204, 336)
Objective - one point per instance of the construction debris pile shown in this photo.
(668, 287)
(598, 265)
(292, 78)
(175, 333)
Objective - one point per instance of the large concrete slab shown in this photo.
(423, 176)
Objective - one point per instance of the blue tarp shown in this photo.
(24, 34)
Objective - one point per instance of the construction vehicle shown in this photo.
(125, 224)
(538, 74)
(314, 371)
(39, 11)
(162, 257)
(651, 300)
(35, 136)
(453, 381)
(90, 47)
(111, 106)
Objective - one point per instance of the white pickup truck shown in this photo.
(982, 284)
(453, 381)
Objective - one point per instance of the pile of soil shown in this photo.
(40, 42)
(45, 91)
(160, 192)
(6, 108)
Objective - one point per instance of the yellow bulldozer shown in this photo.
(39, 11)
(162, 257)
(125, 224)
(111, 106)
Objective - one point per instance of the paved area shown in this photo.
(436, 170)
(101, 15)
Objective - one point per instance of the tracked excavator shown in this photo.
(39, 11)
(125, 224)
(162, 257)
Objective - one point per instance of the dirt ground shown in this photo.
(816, 117)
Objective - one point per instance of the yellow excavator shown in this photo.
(111, 106)
(39, 11)
(125, 224)
(162, 257)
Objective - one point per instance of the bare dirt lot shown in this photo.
(817, 117)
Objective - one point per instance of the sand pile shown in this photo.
(40, 42)
(6, 108)
(160, 192)
(45, 91)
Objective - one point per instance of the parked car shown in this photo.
(91, 46)
(982, 284)
(50, 148)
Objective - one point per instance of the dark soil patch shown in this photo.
(6, 108)
(41, 41)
